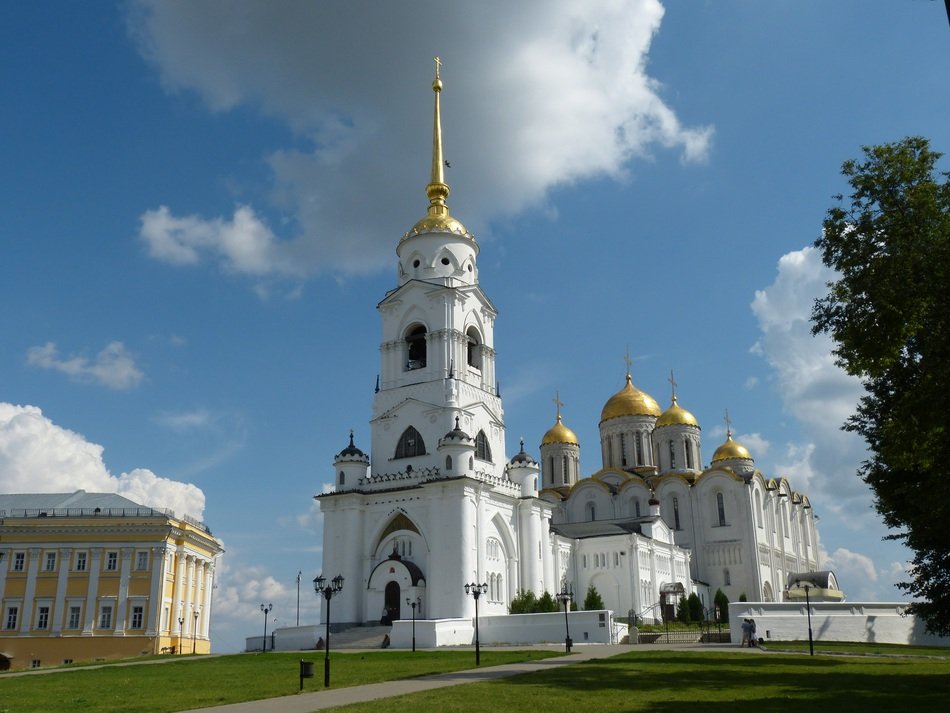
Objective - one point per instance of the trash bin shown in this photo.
(306, 671)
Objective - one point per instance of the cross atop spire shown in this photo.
(628, 361)
(672, 381)
(438, 65)
(558, 403)
(728, 425)
(437, 190)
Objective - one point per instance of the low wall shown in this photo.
(586, 627)
(871, 622)
(289, 638)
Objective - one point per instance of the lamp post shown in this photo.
(417, 602)
(476, 591)
(298, 597)
(194, 634)
(181, 629)
(327, 590)
(267, 610)
(565, 598)
(719, 622)
(811, 643)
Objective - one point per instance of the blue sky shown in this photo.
(201, 203)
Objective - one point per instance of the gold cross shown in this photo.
(673, 384)
(438, 64)
(627, 360)
(558, 403)
(728, 424)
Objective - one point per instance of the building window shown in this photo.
(721, 507)
(474, 348)
(19, 561)
(638, 441)
(112, 561)
(676, 513)
(726, 577)
(342, 478)
(138, 615)
(42, 618)
(105, 617)
(74, 614)
(448, 463)
(12, 613)
(623, 451)
(35, 663)
(689, 453)
(80, 561)
(141, 560)
(482, 449)
(50, 562)
(591, 512)
(410, 444)
(672, 457)
(416, 344)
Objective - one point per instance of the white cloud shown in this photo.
(537, 94)
(813, 389)
(37, 456)
(113, 367)
(185, 420)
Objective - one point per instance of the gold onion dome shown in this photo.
(731, 450)
(629, 401)
(676, 415)
(559, 433)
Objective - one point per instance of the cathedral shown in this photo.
(437, 503)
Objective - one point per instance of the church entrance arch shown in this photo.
(669, 597)
(391, 601)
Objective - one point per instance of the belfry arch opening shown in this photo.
(473, 347)
(416, 347)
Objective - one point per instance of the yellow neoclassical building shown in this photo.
(86, 576)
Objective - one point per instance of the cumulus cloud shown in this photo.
(813, 389)
(37, 456)
(113, 367)
(537, 94)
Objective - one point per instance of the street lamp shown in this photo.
(298, 597)
(565, 598)
(327, 589)
(181, 629)
(719, 622)
(267, 610)
(194, 634)
(811, 643)
(476, 591)
(417, 602)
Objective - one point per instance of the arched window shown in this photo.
(591, 513)
(416, 343)
(676, 513)
(636, 506)
(342, 478)
(474, 350)
(448, 462)
(638, 440)
(689, 453)
(623, 450)
(721, 508)
(672, 455)
(482, 449)
(726, 577)
(410, 444)
(564, 471)
(758, 509)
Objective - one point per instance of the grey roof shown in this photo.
(62, 501)
(601, 528)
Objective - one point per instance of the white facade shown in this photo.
(437, 504)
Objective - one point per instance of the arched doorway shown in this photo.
(391, 601)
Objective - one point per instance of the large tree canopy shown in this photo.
(889, 314)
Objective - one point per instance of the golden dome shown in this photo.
(439, 224)
(731, 450)
(559, 433)
(676, 415)
(629, 401)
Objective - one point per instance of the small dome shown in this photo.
(522, 458)
(351, 451)
(629, 401)
(731, 450)
(676, 415)
(559, 433)
(456, 434)
(439, 224)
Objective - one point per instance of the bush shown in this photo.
(682, 610)
(592, 600)
(695, 607)
(547, 603)
(524, 602)
(722, 601)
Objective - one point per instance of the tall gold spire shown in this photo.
(438, 189)
(437, 216)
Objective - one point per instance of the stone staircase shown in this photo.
(359, 637)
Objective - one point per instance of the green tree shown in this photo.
(722, 601)
(682, 610)
(592, 600)
(695, 607)
(889, 315)
(524, 602)
(547, 603)
(743, 597)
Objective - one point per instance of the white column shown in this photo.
(95, 558)
(65, 555)
(186, 610)
(4, 566)
(206, 606)
(156, 589)
(177, 611)
(547, 559)
(123, 598)
(32, 568)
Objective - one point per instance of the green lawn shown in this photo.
(644, 679)
(176, 684)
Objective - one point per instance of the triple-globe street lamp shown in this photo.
(565, 596)
(417, 602)
(327, 589)
(267, 610)
(476, 591)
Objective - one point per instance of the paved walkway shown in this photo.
(333, 697)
